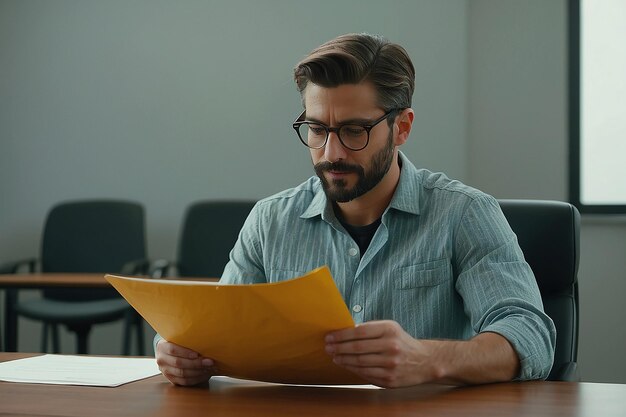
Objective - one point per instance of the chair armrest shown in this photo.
(136, 267)
(14, 266)
(160, 268)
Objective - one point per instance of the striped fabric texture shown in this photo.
(444, 262)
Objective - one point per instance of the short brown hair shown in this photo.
(358, 57)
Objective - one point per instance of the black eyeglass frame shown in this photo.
(299, 122)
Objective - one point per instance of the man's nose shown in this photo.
(334, 151)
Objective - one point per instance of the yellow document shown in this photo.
(267, 332)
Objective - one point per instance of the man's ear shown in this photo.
(403, 125)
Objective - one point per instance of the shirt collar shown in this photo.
(318, 205)
(406, 197)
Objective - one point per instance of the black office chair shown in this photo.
(7, 268)
(548, 233)
(101, 236)
(209, 231)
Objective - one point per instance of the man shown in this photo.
(429, 267)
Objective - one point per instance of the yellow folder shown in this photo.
(269, 332)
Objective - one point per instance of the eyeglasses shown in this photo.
(351, 135)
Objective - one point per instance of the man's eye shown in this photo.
(352, 130)
(317, 130)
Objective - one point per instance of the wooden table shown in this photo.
(49, 280)
(39, 281)
(156, 397)
(45, 280)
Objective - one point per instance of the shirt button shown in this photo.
(357, 308)
(353, 252)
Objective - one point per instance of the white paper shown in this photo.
(224, 381)
(78, 370)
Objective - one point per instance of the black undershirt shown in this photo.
(362, 235)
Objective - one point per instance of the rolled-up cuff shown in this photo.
(535, 349)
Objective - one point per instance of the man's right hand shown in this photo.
(183, 366)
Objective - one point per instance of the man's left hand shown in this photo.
(382, 353)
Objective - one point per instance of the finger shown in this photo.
(174, 372)
(169, 361)
(369, 372)
(365, 361)
(187, 377)
(189, 381)
(358, 347)
(377, 376)
(176, 356)
(368, 330)
(373, 375)
(172, 349)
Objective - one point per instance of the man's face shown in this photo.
(346, 174)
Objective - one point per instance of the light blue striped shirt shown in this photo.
(444, 262)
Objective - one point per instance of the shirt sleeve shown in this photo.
(499, 289)
(157, 338)
(245, 265)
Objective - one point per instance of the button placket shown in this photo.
(357, 301)
(356, 296)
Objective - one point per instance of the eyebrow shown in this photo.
(355, 121)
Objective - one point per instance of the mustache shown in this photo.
(337, 166)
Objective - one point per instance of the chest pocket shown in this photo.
(428, 274)
(423, 298)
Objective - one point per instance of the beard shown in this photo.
(338, 191)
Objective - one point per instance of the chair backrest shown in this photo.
(91, 236)
(548, 234)
(209, 232)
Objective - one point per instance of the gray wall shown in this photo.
(168, 103)
(517, 148)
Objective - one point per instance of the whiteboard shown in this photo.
(602, 98)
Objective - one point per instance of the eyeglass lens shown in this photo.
(352, 136)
